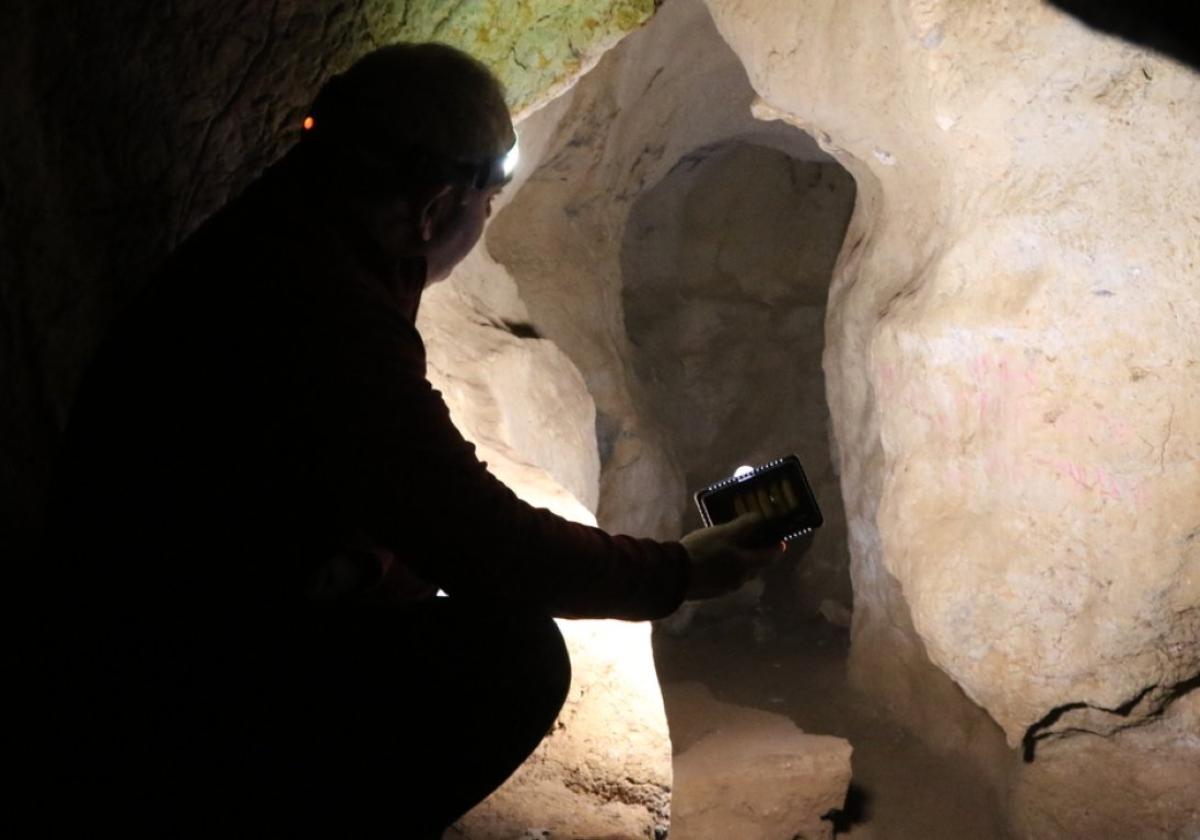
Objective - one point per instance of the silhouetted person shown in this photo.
(260, 493)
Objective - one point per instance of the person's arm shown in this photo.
(386, 446)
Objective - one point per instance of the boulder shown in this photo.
(752, 774)
(1011, 348)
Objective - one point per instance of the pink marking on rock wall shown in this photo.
(1098, 479)
(999, 394)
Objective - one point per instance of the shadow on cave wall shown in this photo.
(124, 126)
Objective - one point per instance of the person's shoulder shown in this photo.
(268, 221)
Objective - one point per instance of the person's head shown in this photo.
(415, 136)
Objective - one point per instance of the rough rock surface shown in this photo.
(1012, 353)
(1141, 782)
(538, 48)
(639, 241)
(605, 769)
(516, 397)
(1010, 342)
(751, 774)
(1012, 361)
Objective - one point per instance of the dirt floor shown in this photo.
(900, 789)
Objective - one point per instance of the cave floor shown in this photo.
(901, 790)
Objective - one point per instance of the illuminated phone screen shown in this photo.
(778, 490)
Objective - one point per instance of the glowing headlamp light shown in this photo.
(511, 159)
(490, 172)
(499, 170)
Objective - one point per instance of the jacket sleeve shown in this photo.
(385, 445)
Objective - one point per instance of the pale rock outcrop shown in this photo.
(1012, 362)
(615, 242)
(752, 774)
(516, 397)
(1140, 782)
(559, 276)
(1012, 353)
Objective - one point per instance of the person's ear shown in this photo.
(435, 209)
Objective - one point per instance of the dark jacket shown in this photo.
(264, 405)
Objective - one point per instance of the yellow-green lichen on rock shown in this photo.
(536, 47)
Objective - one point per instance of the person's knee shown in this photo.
(558, 665)
(542, 662)
(517, 652)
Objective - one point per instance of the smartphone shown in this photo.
(778, 490)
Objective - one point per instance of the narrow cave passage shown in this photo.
(726, 265)
(719, 280)
(681, 258)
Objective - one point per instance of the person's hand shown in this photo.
(726, 556)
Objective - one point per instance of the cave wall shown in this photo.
(627, 125)
(1012, 362)
(1010, 353)
(1011, 338)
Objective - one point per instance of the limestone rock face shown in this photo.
(753, 775)
(1141, 782)
(537, 48)
(679, 252)
(517, 398)
(1012, 352)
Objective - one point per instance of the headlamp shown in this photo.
(482, 174)
(497, 171)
